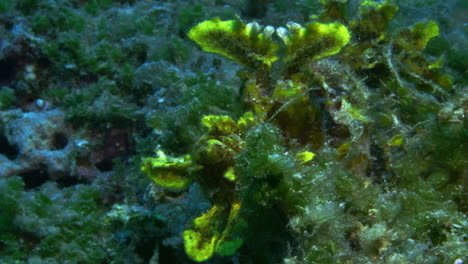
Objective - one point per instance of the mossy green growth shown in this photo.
(201, 95)
(265, 143)
(93, 6)
(10, 194)
(188, 14)
(7, 96)
(37, 225)
(5, 6)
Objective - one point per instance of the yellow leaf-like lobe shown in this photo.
(167, 171)
(230, 174)
(219, 124)
(198, 247)
(246, 44)
(314, 41)
(305, 156)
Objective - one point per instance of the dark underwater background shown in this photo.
(91, 88)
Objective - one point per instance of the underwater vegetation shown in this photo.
(334, 160)
(247, 131)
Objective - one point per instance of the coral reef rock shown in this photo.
(35, 144)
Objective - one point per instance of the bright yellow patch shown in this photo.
(227, 245)
(230, 174)
(245, 121)
(247, 44)
(305, 156)
(395, 141)
(424, 32)
(207, 218)
(167, 171)
(198, 247)
(343, 150)
(222, 124)
(309, 40)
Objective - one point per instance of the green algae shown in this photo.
(385, 118)
(38, 226)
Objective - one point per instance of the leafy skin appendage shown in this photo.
(312, 42)
(247, 44)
